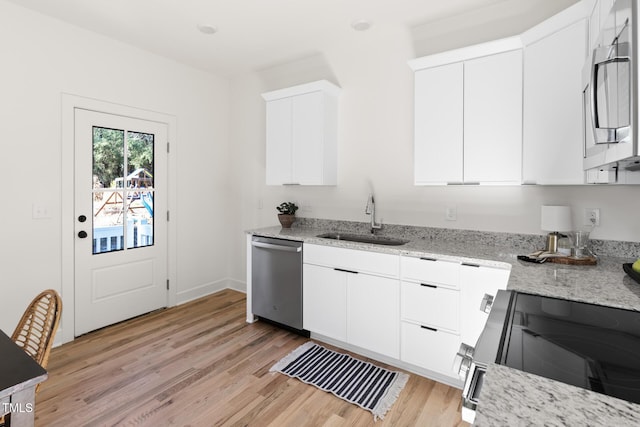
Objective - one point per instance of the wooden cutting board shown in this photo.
(573, 261)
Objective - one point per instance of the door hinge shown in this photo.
(168, 149)
(167, 284)
(167, 216)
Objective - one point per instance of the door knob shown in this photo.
(82, 218)
(487, 302)
(82, 234)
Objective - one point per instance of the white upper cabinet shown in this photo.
(302, 128)
(468, 115)
(598, 12)
(439, 124)
(552, 137)
(493, 119)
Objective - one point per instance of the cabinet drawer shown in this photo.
(430, 305)
(351, 259)
(431, 271)
(432, 350)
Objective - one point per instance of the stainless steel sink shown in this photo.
(363, 238)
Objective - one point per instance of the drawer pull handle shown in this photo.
(427, 285)
(468, 264)
(429, 329)
(424, 258)
(346, 271)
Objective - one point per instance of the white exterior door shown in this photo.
(120, 203)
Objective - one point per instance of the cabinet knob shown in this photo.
(462, 361)
(487, 302)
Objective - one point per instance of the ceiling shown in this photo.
(251, 34)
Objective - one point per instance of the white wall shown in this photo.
(41, 59)
(376, 150)
(219, 152)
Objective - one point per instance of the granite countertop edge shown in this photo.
(511, 397)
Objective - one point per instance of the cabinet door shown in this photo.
(308, 139)
(373, 318)
(552, 146)
(594, 26)
(279, 140)
(324, 299)
(438, 137)
(493, 118)
(475, 282)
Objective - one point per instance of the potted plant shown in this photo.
(287, 213)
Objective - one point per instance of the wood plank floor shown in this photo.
(200, 364)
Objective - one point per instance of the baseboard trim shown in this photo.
(237, 285)
(210, 288)
(201, 291)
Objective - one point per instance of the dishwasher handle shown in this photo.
(277, 247)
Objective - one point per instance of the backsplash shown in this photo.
(526, 243)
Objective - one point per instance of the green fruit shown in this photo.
(636, 266)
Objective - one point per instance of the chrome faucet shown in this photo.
(371, 210)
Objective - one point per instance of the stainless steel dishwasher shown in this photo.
(276, 281)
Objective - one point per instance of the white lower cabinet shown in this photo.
(430, 313)
(414, 310)
(429, 348)
(431, 305)
(324, 299)
(342, 302)
(373, 318)
(475, 283)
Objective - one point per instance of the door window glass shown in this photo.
(122, 187)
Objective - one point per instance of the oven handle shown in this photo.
(277, 247)
(472, 386)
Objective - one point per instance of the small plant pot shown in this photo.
(286, 220)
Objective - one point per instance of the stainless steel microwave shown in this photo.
(610, 93)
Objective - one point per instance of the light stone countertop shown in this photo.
(510, 397)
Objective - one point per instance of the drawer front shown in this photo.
(430, 305)
(432, 350)
(353, 260)
(435, 272)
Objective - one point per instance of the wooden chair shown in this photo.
(38, 326)
(36, 330)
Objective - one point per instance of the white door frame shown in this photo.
(69, 103)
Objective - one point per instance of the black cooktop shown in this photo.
(586, 345)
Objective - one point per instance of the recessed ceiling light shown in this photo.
(361, 25)
(207, 29)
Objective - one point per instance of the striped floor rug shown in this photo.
(361, 383)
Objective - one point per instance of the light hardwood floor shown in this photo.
(200, 364)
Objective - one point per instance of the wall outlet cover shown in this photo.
(451, 214)
(591, 216)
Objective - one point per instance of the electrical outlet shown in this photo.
(591, 216)
(40, 211)
(451, 214)
(304, 206)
